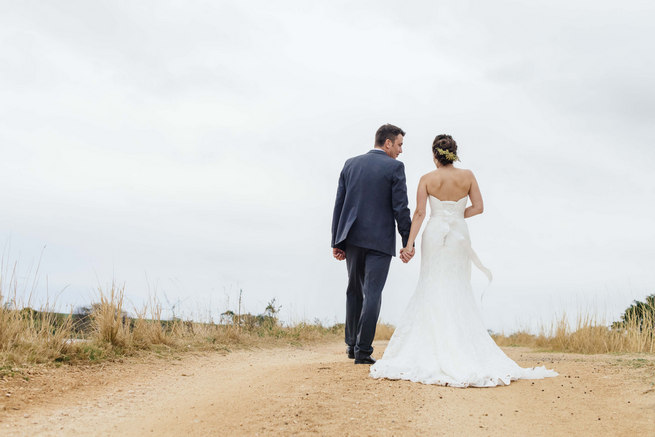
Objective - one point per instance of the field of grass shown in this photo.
(589, 336)
(105, 331)
(29, 336)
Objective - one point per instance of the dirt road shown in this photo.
(317, 390)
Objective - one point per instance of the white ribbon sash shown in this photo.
(447, 221)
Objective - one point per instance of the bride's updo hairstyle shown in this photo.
(444, 149)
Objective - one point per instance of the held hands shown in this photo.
(338, 254)
(406, 253)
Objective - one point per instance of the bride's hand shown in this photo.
(406, 254)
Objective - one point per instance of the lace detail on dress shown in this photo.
(441, 338)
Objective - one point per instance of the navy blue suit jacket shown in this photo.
(372, 195)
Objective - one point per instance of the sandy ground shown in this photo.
(317, 390)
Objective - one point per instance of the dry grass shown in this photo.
(383, 331)
(110, 322)
(148, 328)
(28, 336)
(590, 336)
(25, 334)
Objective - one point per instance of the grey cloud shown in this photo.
(202, 141)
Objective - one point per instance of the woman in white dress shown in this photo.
(441, 338)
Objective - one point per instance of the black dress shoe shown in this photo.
(365, 360)
(351, 352)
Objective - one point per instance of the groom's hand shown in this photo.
(338, 254)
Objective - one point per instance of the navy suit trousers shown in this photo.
(367, 273)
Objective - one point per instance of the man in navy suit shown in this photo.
(371, 198)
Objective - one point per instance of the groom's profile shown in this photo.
(371, 198)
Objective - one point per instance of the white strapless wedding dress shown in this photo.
(441, 338)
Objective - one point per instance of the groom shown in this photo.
(372, 194)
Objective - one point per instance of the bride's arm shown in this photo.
(419, 213)
(477, 206)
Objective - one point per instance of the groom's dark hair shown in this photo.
(387, 132)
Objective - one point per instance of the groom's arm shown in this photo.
(399, 202)
(338, 207)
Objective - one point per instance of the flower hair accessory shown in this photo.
(450, 156)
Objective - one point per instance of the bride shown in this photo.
(441, 338)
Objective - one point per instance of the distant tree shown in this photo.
(227, 318)
(268, 319)
(83, 317)
(272, 309)
(639, 313)
(28, 313)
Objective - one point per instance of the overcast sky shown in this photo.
(192, 149)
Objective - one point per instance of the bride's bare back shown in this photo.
(446, 183)
(449, 183)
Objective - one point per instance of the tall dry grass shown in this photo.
(110, 321)
(26, 334)
(147, 326)
(114, 331)
(30, 336)
(589, 336)
(383, 331)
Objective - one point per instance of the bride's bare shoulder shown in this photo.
(466, 172)
(430, 175)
